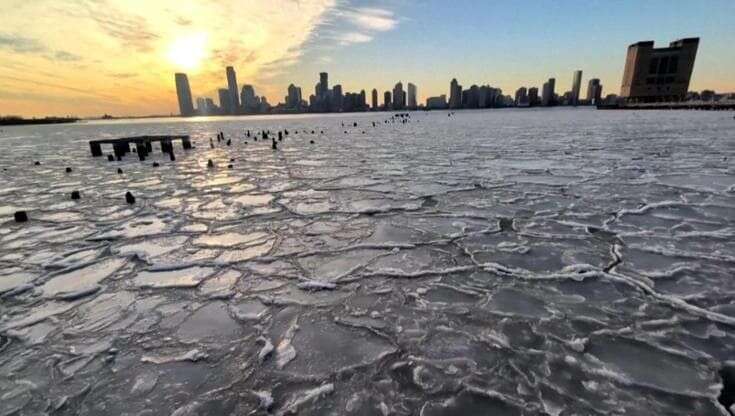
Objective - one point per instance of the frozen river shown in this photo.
(507, 262)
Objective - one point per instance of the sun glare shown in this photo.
(187, 52)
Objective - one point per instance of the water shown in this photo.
(512, 262)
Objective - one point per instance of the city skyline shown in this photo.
(124, 53)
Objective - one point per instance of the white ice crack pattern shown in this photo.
(494, 262)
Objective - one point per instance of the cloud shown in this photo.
(66, 56)
(373, 19)
(353, 37)
(21, 44)
(123, 75)
(128, 28)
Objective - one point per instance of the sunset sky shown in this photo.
(90, 57)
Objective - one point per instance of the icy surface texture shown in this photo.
(550, 262)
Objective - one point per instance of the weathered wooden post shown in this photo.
(96, 149)
(140, 147)
(186, 142)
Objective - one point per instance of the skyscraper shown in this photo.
(455, 94)
(224, 101)
(233, 91)
(362, 105)
(576, 87)
(659, 74)
(533, 96)
(594, 91)
(411, 96)
(337, 98)
(547, 95)
(293, 99)
(375, 99)
(387, 101)
(521, 97)
(399, 98)
(323, 86)
(183, 92)
(248, 98)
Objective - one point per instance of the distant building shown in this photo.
(202, 109)
(412, 104)
(576, 88)
(363, 101)
(399, 97)
(293, 99)
(437, 103)
(375, 99)
(323, 86)
(337, 98)
(224, 100)
(387, 102)
(455, 94)
(547, 93)
(707, 95)
(233, 91)
(594, 91)
(521, 99)
(533, 96)
(471, 97)
(658, 74)
(248, 99)
(183, 92)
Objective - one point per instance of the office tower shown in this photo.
(363, 101)
(224, 101)
(375, 99)
(399, 98)
(323, 86)
(411, 103)
(387, 100)
(436, 103)
(521, 99)
(233, 91)
(248, 98)
(337, 98)
(183, 92)
(293, 99)
(576, 87)
(547, 94)
(533, 96)
(594, 91)
(658, 74)
(455, 94)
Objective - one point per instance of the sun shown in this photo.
(188, 52)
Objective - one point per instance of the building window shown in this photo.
(653, 66)
(650, 80)
(674, 65)
(663, 65)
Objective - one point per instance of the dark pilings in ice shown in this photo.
(75, 195)
(96, 149)
(129, 198)
(20, 216)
